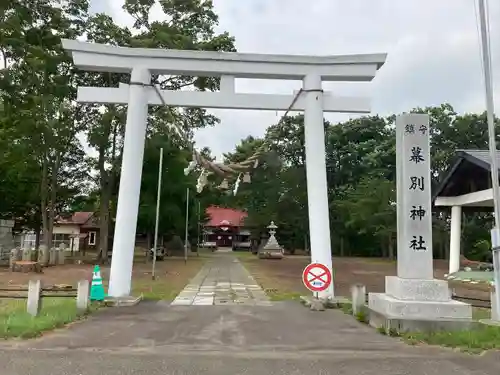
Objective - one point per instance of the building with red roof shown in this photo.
(79, 231)
(226, 228)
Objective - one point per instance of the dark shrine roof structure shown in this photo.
(469, 172)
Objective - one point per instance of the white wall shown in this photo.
(29, 238)
(69, 229)
(66, 229)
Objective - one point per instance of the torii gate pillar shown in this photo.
(142, 63)
(120, 278)
(317, 192)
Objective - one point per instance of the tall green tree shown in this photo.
(38, 88)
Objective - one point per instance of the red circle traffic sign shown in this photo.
(317, 277)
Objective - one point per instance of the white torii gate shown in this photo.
(141, 63)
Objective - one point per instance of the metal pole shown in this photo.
(490, 109)
(199, 230)
(160, 166)
(187, 221)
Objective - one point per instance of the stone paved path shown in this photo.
(222, 281)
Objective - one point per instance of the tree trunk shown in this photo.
(106, 187)
(38, 229)
(44, 192)
(104, 225)
(53, 195)
(385, 252)
(37, 238)
(342, 246)
(391, 247)
(104, 203)
(50, 207)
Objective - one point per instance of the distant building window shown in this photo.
(28, 241)
(92, 238)
(60, 238)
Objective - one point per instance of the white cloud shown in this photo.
(433, 51)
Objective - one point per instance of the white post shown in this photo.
(358, 298)
(155, 246)
(82, 295)
(130, 184)
(490, 115)
(495, 301)
(317, 193)
(455, 233)
(34, 301)
(495, 309)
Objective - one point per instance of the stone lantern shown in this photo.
(272, 249)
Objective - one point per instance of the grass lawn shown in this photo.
(55, 313)
(473, 341)
(283, 278)
(172, 275)
(278, 282)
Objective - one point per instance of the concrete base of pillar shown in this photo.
(122, 301)
(402, 325)
(418, 316)
(328, 303)
(417, 305)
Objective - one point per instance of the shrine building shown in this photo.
(226, 229)
(465, 187)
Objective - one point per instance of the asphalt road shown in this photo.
(287, 338)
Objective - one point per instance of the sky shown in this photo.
(433, 53)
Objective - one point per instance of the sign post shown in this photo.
(414, 294)
(317, 277)
(414, 199)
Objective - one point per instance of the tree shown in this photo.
(38, 86)
(190, 26)
(173, 188)
(106, 126)
(370, 208)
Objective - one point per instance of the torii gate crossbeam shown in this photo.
(142, 63)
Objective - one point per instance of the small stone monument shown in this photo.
(272, 249)
(52, 256)
(6, 241)
(61, 254)
(414, 300)
(15, 255)
(41, 253)
(27, 254)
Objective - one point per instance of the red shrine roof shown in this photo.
(220, 216)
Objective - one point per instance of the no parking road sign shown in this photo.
(317, 277)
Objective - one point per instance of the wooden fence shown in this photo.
(34, 294)
(474, 302)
